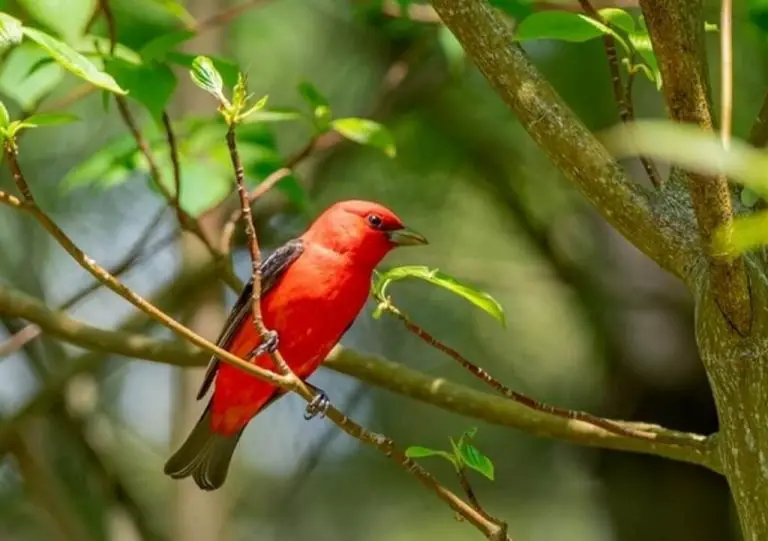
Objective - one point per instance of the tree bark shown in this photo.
(738, 374)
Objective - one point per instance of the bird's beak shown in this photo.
(406, 237)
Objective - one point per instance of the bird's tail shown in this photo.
(205, 455)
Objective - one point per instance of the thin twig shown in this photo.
(469, 491)
(170, 136)
(726, 71)
(527, 401)
(623, 97)
(111, 24)
(253, 246)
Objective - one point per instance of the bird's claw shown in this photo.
(318, 405)
(270, 341)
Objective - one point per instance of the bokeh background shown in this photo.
(591, 323)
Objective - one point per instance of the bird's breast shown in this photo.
(314, 302)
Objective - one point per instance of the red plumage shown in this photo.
(313, 288)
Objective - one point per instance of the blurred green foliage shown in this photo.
(588, 323)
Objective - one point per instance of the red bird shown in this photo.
(313, 288)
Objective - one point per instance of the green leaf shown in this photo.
(50, 119)
(479, 298)
(65, 18)
(23, 86)
(273, 115)
(469, 434)
(517, 9)
(109, 166)
(321, 109)
(366, 132)
(204, 183)
(473, 458)
(692, 148)
(158, 48)
(73, 61)
(5, 118)
(100, 47)
(255, 108)
(452, 49)
(745, 234)
(176, 9)
(641, 42)
(618, 18)
(152, 85)
(227, 70)
(749, 198)
(206, 76)
(312, 95)
(711, 27)
(560, 25)
(416, 451)
(758, 13)
(11, 31)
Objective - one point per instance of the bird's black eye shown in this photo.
(375, 221)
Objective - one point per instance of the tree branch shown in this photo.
(489, 41)
(691, 448)
(676, 28)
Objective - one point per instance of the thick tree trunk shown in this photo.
(738, 375)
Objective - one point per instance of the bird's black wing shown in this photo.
(272, 270)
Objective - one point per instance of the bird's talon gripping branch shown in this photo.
(269, 345)
(319, 405)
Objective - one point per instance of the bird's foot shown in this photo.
(318, 405)
(270, 341)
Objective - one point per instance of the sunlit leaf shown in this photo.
(5, 118)
(227, 69)
(101, 47)
(50, 119)
(619, 18)
(690, 147)
(452, 49)
(204, 183)
(159, 47)
(641, 42)
(207, 77)
(416, 451)
(151, 85)
(73, 61)
(745, 234)
(20, 84)
(564, 26)
(11, 31)
(66, 18)
(366, 132)
(473, 458)
(176, 9)
(479, 298)
(274, 115)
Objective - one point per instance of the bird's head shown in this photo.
(365, 230)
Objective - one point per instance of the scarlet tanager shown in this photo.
(313, 287)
